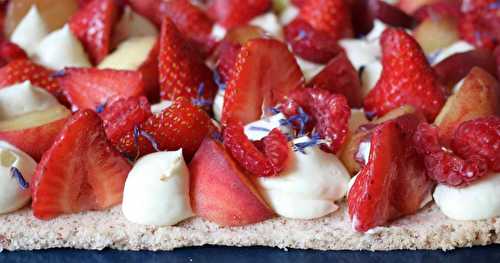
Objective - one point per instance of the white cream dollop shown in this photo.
(157, 190)
(218, 104)
(261, 128)
(269, 22)
(309, 185)
(370, 75)
(309, 69)
(161, 106)
(130, 54)
(455, 48)
(61, 49)
(480, 200)
(12, 195)
(30, 31)
(133, 25)
(23, 98)
(218, 32)
(288, 15)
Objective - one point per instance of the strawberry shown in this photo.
(20, 70)
(393, 183)
(10, 51)
(268, 161)
(330, 16)
(182, 71)
(90, 88)
(480, 23)
(340, 76)
(265, 73)
(407, 78)
(181, 126)
(330, 114)
(151, 9)
(92, 25)
(192, 22)
(80, 172)
(228, 54)
(231, 13)
(440, 9)
(309, 43)
(149, 70)
(123, 115)
(479, 137)
(442, 164)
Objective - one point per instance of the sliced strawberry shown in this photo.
(330, 16)
(330, 114)
(480, 23)
(265, 73)
(340, 76)
(407, 78)
(309, 43)
(231, 13)
(123, 115)
(191, 21)
(181, 126)
(80, 172)
(90, 88)
(182, 71)
(9, 52)
(149, 70)
(443, 165)
(266, 162)
(21, 70)
(92, 25)
(393, 183)
(479, 137)
(151, 9)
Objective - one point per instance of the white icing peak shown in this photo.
(30, 31)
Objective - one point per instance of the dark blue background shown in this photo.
(254, 255)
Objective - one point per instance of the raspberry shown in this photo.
(263, 158)
(443, 165)
(480, 23)
(479, 137)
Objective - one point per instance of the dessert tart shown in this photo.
(313, 124)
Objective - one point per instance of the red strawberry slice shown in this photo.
(149, 70)
(192, 22)
(92, 25)
(393, 183)
(10, 51)
(479, 137)
(340, 76)
(231, 13)
(480, 23)
(123, 115)
(330, 114)
(21, 70)
(265, 73)
(309, 43)
(266, 162)
(182, 71)
(151, 9)
(443, 165)
(181, 126)
(80, 172)
(90, 88)
(407, 78)
(330, 16)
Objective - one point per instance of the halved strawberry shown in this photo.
(407, 78)
(90, 88)
(330, 114)
(309, 43)
(123, 115)
(150, 75)
(330, 16)
(192, 22)
(268, 161)
(20, 70)
(182, 71)
(393, 183)
(180, 126)
(231, 13)
(340, 76)
(10, 51)
(80, 172)
(92, 25)
(480, 23)
(265, 73)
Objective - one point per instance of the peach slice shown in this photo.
(436, 33)
(221, 192)
(55, 13)
(34, 132)
(478, 97)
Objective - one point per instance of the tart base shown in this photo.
(429, 229)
